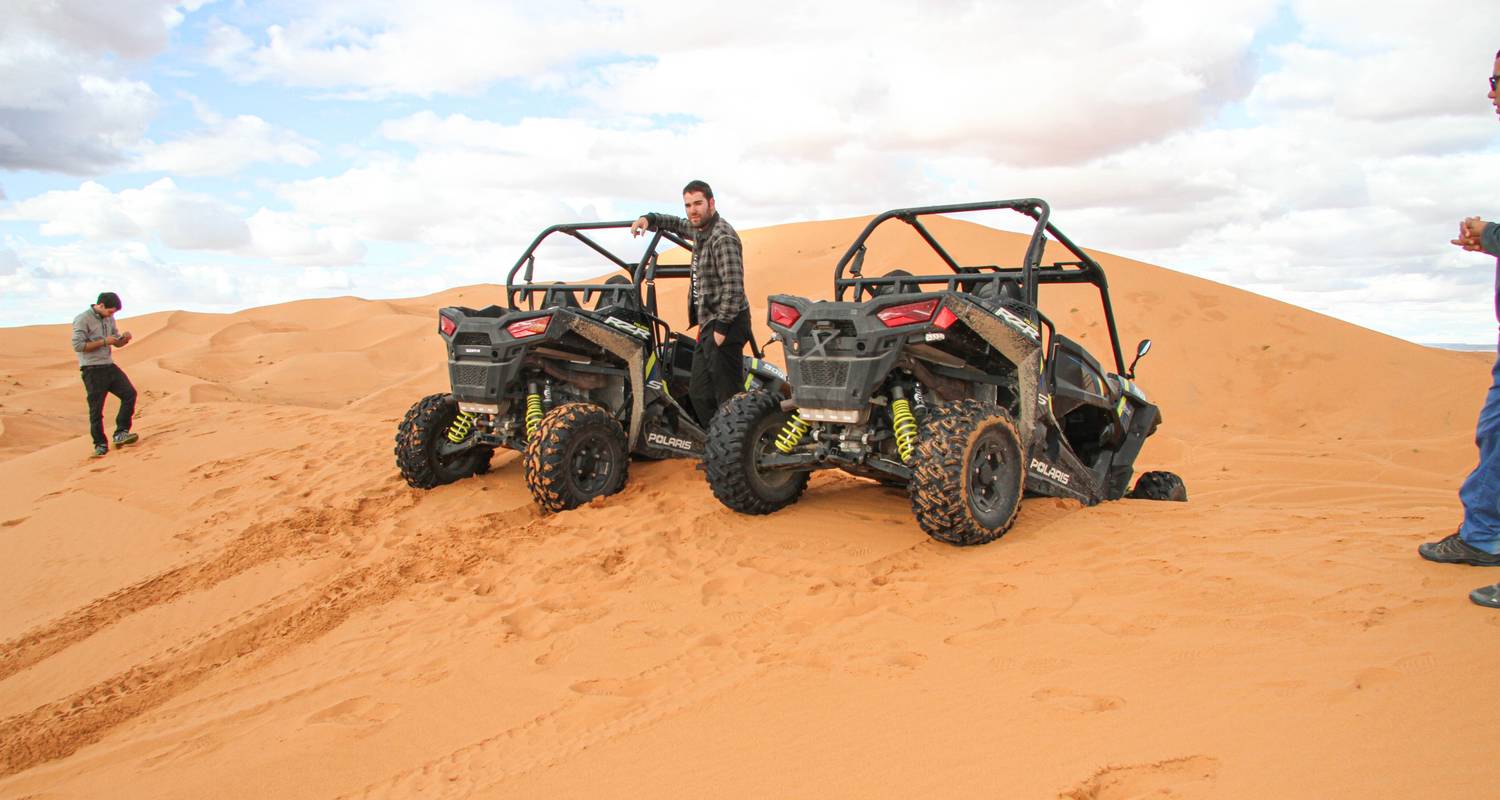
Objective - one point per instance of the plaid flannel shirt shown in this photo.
(717, 293)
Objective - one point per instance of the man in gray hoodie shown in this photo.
(1477, 540)
(94, 336)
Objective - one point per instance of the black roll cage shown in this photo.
(528, 290)
(1031, 273)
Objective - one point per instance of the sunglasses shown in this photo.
(1494, 82)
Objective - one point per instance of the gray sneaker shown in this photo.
(100, 450)
(123, 438)
(1488, 596)
(1452, 550)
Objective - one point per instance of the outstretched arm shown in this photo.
(664, 222)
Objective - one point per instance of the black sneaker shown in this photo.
(101, 450)
(1452, 550)
(123, 438)
(1488, 596)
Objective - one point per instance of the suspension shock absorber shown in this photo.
(533, 410)
(791, 433)
(903, 423)
(462, 425)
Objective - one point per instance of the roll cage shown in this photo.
(644, 271)
(968, 278)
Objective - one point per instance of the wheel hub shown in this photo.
(989, 488)
(590, 464)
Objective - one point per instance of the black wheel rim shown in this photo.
(591, 464)
(992, 479)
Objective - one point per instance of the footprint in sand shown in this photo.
(1044, 665)
(356, 712)
(611, 687)
(560, 648)
(1376, 677)
(11, 523)
(1078, 702)
(889, 663)
(1184, 778)
(195, 747)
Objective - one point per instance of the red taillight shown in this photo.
(909, 314)
(528, 327)
(784, 315)
(446, 325)
(945, 319)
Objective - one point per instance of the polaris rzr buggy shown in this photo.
(575, 383)
(954, 386)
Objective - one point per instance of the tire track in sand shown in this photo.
(58, 729)
(289, 537)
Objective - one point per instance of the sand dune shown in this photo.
(253, 604)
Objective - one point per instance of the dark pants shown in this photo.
(106, 379)
(718, 369)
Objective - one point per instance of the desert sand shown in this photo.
(251, 603)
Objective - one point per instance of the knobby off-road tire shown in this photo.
(744, 429)
(417, 437)
(579, 452)
(1159, 486)
(966, 486)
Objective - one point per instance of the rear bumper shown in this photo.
(838, 354)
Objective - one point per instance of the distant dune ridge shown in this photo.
(251, 603)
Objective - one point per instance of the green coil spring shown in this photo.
(905, 426)
(533, 414)
(462, 424)
(791, 433)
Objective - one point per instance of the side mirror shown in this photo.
(1140, 350)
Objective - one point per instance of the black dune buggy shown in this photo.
(576, 376)
(954, 386)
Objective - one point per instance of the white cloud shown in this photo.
(57, 281)
(66, 104)
(64, 121)
(802, 84)
(320, 278)
(10, 263)
(128, 28)
(289, 239)
(92, 212)
(380, 49)
(226, 148)
(184, 220)
(1394, 60)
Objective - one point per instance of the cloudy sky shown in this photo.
(220, 155)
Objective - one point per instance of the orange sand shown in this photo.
(251, 603)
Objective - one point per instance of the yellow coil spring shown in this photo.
(791, 433)
(905, 426)
(462, 424)
(533, 414)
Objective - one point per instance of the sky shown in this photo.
(215, 156)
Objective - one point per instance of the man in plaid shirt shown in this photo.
(716, 297)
